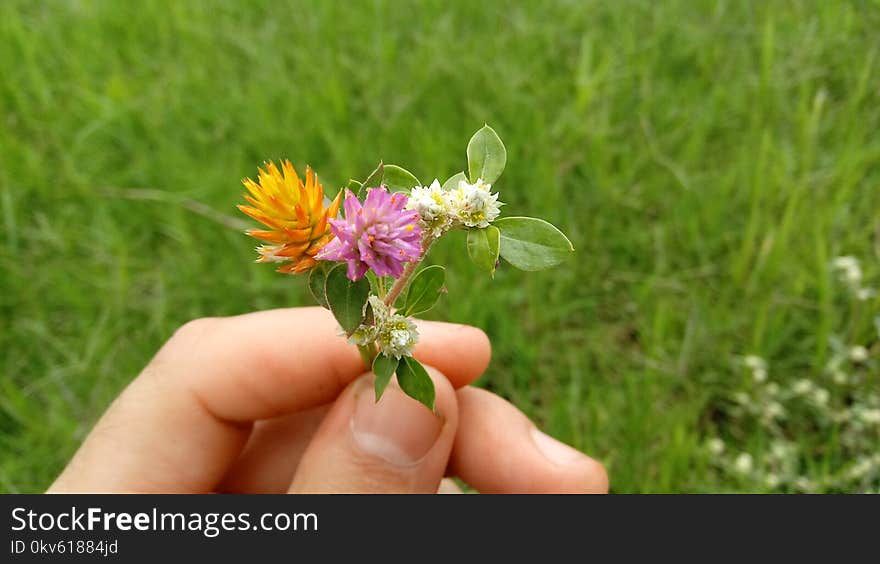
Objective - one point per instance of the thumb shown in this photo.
(394, 446)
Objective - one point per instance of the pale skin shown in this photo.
(276, 401)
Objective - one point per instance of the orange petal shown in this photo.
(251, 200)
(259, 216)
(318, 244)
(293, 250)
(270, 236)
(298, 235)
(252, 187)
(320, 226)
(334, 205)
(289, 171)
(301, 214)
(304, 264)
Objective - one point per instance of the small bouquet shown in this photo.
(364, 265)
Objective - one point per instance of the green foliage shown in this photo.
(383, 369)
(399, 179)
(318, 281)
(424, 290)
(372, 181)
(532, 244)
(486, 155)
(346, 298)
(414, 380)
(452, 182)
(483, 246)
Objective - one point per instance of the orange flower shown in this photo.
(294, 213)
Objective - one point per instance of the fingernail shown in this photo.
(555, 451)
(397, 429)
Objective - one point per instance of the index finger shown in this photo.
(270, 363)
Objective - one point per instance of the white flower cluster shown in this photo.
(844, 397)
(467, 205)
(395, 334)
(849, 271)
(757, 366)
(434, 205)
(475, 204)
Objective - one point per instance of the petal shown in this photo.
(352, 205)
(356, 270)
(270, 236)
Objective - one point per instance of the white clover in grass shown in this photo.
(759, 375)
(771, 481)
(434, 206)
(870, 416)
(858, 354)
(741, 398)
(743, 463)
(780, 450)
(757, 366)
(774, 410)
(840, 377)
(862, 467)
(865, 294)
(802, 387)
(715, 446)
(849, 269)
(804, 484)
(753, 362)
(474, 204)
(820, 396)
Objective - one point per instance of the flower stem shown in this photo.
(408, 271)
(368, 354)
(381, 283)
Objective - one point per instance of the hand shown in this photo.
(275, 401)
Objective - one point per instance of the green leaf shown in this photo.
(482, 246)
(372, 181)
(374, 282)
(346, 298)
(424, 290)
(384, 368)
(452, 182)
(486, 155)
(414, 380)
(353, 185)
(532, 244)
(399, 179)
(317, 280)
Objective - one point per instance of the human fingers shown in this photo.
(498, 450)
(185, 419)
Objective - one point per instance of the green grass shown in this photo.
(707, 159)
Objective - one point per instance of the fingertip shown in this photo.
(461, 352)
(499, 450)
(583, 473)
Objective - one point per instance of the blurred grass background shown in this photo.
(707, 159)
